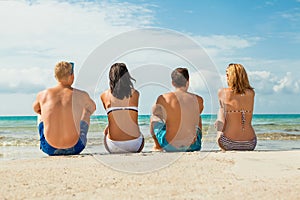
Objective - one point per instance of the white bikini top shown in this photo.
(134, 108)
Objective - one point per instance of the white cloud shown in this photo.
(40, 33)
(65, 29)
(205, 81)
(126, 14)
(188, 11)
(262, 81)
(216, 43)
(266, 82)
(291, 15)
(43, 32)
(34, 36)
(27, 80)
(288, 84)
(269, 3)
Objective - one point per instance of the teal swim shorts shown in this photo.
(159, 129)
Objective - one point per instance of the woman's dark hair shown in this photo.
(180, 76)
(120, 81)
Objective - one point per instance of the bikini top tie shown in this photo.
(243, 116)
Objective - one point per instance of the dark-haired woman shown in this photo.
(122, 133)
(236, 110)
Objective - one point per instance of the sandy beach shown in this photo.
(155, 175)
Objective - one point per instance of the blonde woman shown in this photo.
(233, 124)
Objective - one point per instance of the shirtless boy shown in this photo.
(65, 114)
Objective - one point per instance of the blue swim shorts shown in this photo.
(159, 129)
(76, 149)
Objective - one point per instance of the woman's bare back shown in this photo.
(238, 111)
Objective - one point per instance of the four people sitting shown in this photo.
(175, 124)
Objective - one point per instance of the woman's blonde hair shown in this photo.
(63, 70)
(237, 78)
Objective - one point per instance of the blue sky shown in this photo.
(262, 35)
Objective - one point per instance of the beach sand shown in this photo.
(155, 175)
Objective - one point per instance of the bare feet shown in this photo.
(155, 148)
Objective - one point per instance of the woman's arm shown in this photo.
(219, 124)
(104, 99)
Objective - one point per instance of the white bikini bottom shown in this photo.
(132, 146)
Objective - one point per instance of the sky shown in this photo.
(264, 36)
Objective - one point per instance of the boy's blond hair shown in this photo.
(63, 70)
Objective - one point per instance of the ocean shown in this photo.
(19, 138)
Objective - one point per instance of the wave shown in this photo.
(291, 130)
(278, 136)
(265, 124)
(10, 141)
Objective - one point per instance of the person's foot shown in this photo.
(155, 148)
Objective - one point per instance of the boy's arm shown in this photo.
(158, 115)
(36, 105)
(200, 122)
(201, 107)
(88, 108)
(91, 106)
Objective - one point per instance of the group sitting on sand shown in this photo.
(176, 123)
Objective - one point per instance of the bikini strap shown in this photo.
(243, 116)
(240, 111)
(133, 108)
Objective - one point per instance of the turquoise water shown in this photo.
(19, 137)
